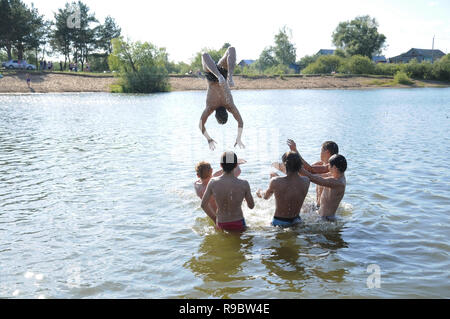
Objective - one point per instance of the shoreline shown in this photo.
(57, 82)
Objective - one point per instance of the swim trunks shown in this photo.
(286, 222)
(329, 218)
(238, 225)
(212, 78)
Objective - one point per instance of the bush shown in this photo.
(325, 64)
(145, 80)
(250, 70)
(402, 78)
(307, 60)
(277, 70)
(387, 68)
(441, 69)
(358, 64)
(418, 70)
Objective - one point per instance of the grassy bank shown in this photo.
(44, 82)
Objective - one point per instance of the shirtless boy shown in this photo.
(290, 192)
(329, 148)
(219, 97)
(333, 186)
(205, 173)
(229, 193)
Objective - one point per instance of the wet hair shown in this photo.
(292, 161)
(202, 169)
(331, 147)
(228, 161)
(221, 115)
(339, 161)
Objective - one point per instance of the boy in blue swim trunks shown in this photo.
(290, 192)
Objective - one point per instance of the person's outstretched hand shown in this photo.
(211, 143)
(292, 145)
(259, 193)
(239, 142)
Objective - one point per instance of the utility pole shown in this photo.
(432, 51)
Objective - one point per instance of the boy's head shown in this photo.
(292, 161)
(329, 148)
(203, 170)
(221, 115)
(337, 162)
(228, 161)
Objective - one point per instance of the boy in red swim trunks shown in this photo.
(229, 193)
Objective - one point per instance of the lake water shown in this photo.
(97, 199)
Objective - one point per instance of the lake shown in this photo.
(97, 198)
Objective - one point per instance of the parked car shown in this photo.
(14, 64)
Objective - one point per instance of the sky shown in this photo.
(186, 27)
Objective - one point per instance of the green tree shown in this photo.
(142, 66)
(106, 32)
(284, 50)
(83, 34)
(441, 68)
(307, 60)
(266, 59)
(61, 36)
(359, 36)
(20, 27)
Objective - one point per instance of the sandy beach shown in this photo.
(71, 82)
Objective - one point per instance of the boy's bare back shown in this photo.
(290, 193)
(229, 193)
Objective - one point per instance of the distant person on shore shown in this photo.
(29, 80)
(60, 66)
(328, 149)
(333, 183)
(205, 173)
(219, 77)
(290, 192)
(229, 193)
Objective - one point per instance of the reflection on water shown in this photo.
(97, 199)
(220, 259)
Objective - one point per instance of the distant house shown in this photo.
(379, 59)
(246, 63)
(325, 52)
(295, 67)
(419, 54)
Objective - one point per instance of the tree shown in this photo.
(142, 66)
(284, 51)
(307, 60)
(266, 59)
(106, 32)
(359, 36)
(20, 27)
(61, 36)
(83, 36)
